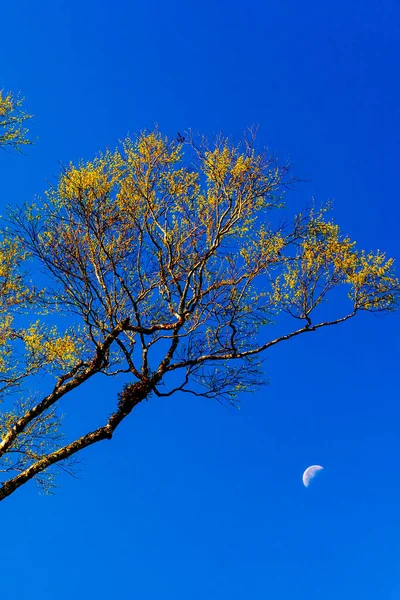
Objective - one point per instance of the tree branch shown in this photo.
(60, 390)
(132, 396)
(237, 355)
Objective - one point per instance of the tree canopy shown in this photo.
(12, 121)
(170, 263)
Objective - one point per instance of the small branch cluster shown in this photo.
(12, 121)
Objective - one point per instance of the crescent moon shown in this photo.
(310, 473)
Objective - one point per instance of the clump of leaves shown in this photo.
(13, 118)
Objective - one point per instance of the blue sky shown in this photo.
(191, 500)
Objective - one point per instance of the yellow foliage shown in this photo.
(46, 347)
(12, 119)
(152, 148)
(89, 181)
(141, 227)
(218, 163)
(326, 259)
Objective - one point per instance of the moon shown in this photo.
(310, 473)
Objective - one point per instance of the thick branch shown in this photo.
(60, 390)
(136, 394)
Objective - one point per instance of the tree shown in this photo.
(168, 262)
(12, 121)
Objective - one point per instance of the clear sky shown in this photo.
(191, 500)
